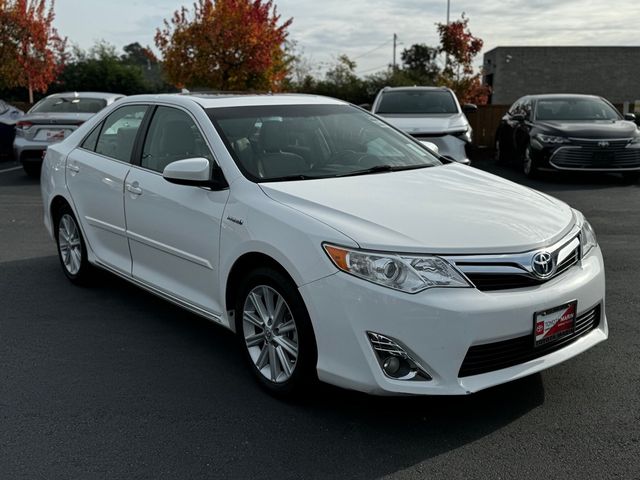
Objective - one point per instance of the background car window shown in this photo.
(515, 108)
(172, 136)
(417, 102)
(91, 141)
(575, 109)
(69, 105)
(119, 132)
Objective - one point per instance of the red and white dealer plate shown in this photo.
(554, 323)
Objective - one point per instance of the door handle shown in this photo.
(73, 168)
(134, 188)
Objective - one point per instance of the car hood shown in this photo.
(446, 209)
(429, 124)
(57, 118)
(594, 129)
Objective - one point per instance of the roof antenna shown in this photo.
(184, 90)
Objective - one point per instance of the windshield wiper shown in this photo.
(288, 178)
(383, 168)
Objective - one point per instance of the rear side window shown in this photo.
(172, 136)
(119, 131)
(92, 139)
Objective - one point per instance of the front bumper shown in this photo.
(439, 326)
(584, 157)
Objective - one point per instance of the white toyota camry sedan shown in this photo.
(335, 246)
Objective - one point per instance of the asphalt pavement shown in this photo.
(112, 382)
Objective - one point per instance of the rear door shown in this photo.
(174, 230)
(96, 173)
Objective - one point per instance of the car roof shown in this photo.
(221, 100)
(559, 95)
(103, 95)
(413, 88)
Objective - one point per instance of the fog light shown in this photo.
(391, 366)
(394, 359)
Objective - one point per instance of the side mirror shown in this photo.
(366, 106)
(196, 172)
(518, 117)
(431, 146)
(630, 116)
(469, 108)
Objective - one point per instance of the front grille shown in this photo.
(590, 154)
(489, 275)
(498, 355)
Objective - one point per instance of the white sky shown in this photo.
(324, 29)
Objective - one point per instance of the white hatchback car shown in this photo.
(335, 246)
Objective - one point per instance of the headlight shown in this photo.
(587, 238)
(635, 140)
(465, 135)
(551, 139)
(409, 274)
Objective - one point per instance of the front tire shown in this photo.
(529, 164)
(72, 250)
(275, 333)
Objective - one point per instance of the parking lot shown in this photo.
(111, 382)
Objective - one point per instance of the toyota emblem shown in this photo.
(542, 264)
(603, 144)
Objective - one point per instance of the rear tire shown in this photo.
(72, 250)
(32, 169)
(275, 333)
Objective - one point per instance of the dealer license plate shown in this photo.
(554, 323)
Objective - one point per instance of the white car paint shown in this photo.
(181, 243)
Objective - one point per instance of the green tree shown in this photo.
(101, 69)
(419, 64)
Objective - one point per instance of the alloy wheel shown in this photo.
(270, 333)
(69, 244)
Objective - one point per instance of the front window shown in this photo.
(417, 102)
(300, 142)
(575, 109)
(69, 105)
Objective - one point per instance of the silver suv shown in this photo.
(430, 114)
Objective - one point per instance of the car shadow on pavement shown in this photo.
(121, 381)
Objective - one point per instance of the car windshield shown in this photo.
(69, 105)
(575, 109)
(417, 102)
(300, 142)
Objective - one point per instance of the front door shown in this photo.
(96, 173)
(174, 230)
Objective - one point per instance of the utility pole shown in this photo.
(395, 40)
(446, 55)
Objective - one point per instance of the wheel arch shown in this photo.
(240, 268)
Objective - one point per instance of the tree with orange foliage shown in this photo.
(226, 45)
(461, 48)
(32, 52)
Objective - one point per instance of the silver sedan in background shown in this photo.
(51, 120)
